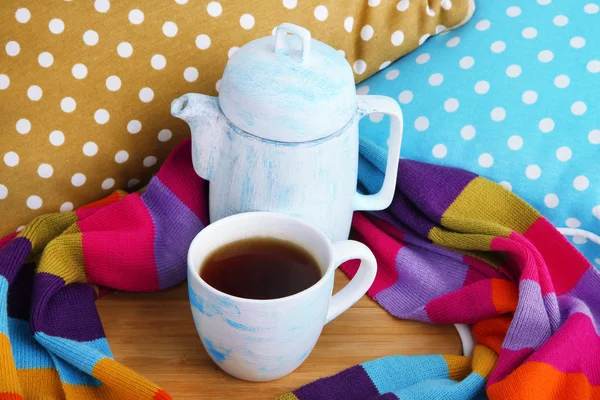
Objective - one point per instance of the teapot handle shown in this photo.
(386, 105)
(303, 33)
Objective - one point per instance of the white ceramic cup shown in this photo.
(262, 340)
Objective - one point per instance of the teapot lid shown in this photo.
(288, 88)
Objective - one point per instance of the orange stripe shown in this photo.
(41, 383)
(10, 396)
(9, 381)
(115, 196)
(491, 332)
(541, 381)
(505, 295)
(125, 383)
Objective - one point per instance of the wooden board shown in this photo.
(154, 334)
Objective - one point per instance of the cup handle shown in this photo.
(362, 281)
(385, 105)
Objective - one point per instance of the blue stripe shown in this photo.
(3, 305)
(26, 351)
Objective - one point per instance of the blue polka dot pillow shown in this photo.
(513, 95)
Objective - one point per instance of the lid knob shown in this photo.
(281, 45)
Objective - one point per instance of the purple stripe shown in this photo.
(583, 298)
(406, 216)
(174, 228)
(533, 327)
(12, 256)
(423, 275)
(65, 311)
(351, 384)
(19, 293)
(443, 185)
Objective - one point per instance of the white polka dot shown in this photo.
(405, 97)
(564, 153)
(429, 11)
(439, 151)
(593, 66)
(11, 159)
(34, 202)
(544, 2)
(158, 62)
(506, 185)
(533, 171)
(577, 42)
(165, 135)
(451, 105)
(360, 66)
(421, 124)
(45, 59)
(482, 87)
(403, 5)
(146, 95)
(321, 13)
(392, 74)
(101, 116)
(66, 207)
(170, 29)
(68, 104)
(90, 38)
(19, 229)
(3, 192)
(423, 38)
(290, 4)
(384, 65)
(579, 240)
(545, 56)
(90, 149)
(436, 79)
(23, 126)
(579, 108)
(78, 179)
(181, 1)
(247, 21)
(124, 49)
(468, 132)
(466, 62)
(45, 171)
(594, 136)
(446, 4)
(34, 92)
(134, 126)
(79, 71)
(486, 160)
(366, 33)
(218, 85)
(4, 81)
(149, 161)
(136, 16)
(374, 3)
(362, 90)
(22, 15)
(573, 223)
(453, 42)
(203, 41)
(562, 81)
(132, 183)
(214, 8)
(596, 211)
(498, 46)
(483, 25)
(56, 138)
(113, 83)
(108, 183)
(121, 156)
(232, 51)
(513, 11)
(342, 53)
(560, 20)
(102, 5)
(529, 97)
(498, 114)
(440, 29)
(348, 24)
(581, 182)
(513, 71)
(546, 125)
(397, 38)
(422, 58)
(515, 142)
(12, 48)
(56, 26)
(190, 74)
(529, 33)
(551, 200)
(591, 8)
(376, 117)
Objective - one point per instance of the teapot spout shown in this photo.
(207, 124)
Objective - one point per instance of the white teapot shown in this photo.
(283, 134)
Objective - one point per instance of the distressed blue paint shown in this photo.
(219, 355)
(241, 327)
(212, 305)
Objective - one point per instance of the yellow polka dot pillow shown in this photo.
(85, 86)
